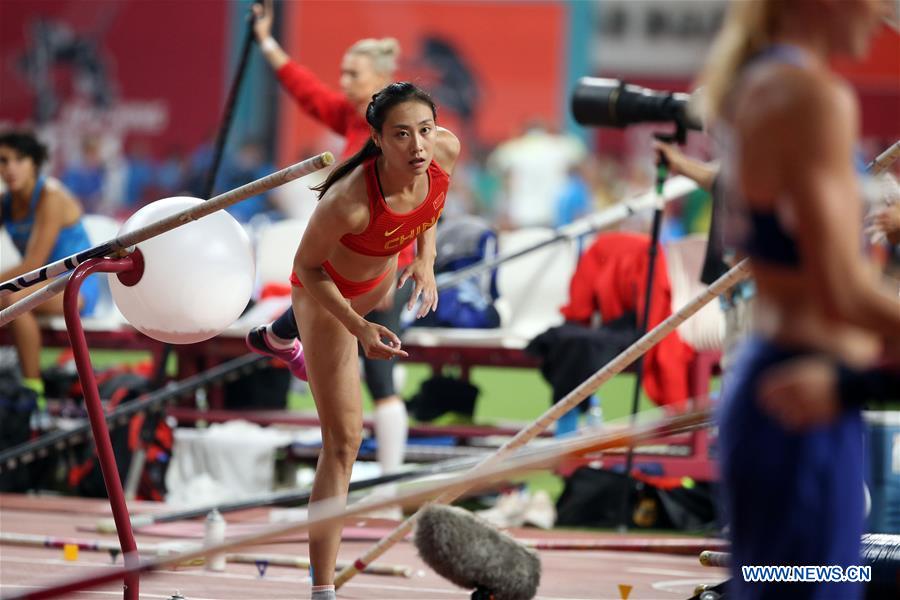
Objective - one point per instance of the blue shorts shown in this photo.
(790, 498)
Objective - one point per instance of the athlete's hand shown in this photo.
(371, 337)
(264, 15)
(802, 393)
(422, 273)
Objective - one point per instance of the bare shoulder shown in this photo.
(57, 198)
(791, 118)
(447, 149)
(54, 190)
(346, 203)
(778, 95)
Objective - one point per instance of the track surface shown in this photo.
(566, 575)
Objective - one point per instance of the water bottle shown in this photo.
(214, 534)
(594, 413)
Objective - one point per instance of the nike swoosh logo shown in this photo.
(393, 231)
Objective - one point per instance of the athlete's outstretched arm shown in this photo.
(264, 15)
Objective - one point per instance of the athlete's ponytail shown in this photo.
(376, 115)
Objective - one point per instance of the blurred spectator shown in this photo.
(533, 169)
(85, 177)
(140, 169)
(673, 226)
(461, 197)
(198, 166)
(486, 185)
(250, 163)
(202, 157)
(171, 174)
(576, 199)
(607, 186)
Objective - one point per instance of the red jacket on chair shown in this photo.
(611, 278)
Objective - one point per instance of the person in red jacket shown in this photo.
(382, 199)
(367, 67)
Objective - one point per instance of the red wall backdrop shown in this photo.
(514, 55)
(161, 64)
(877, 80)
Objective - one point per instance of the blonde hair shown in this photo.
(383, 52)
(749, 27)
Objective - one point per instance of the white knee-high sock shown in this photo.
(323, 592)
(391, 428)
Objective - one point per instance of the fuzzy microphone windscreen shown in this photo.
(471, 553)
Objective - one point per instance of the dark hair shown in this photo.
(26, 144)
(376, 113)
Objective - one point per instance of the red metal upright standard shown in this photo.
(96, 415)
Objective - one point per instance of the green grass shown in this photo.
(510, 395)
(104, 359)
(505, 395)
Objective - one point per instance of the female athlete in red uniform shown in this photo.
(367, 66)
(378, 202)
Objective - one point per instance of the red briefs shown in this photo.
(348, 289)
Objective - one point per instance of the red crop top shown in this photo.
(388, 231)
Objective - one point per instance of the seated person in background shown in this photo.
(87, 174)
(43, 220)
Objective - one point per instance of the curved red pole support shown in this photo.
(95, 410)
